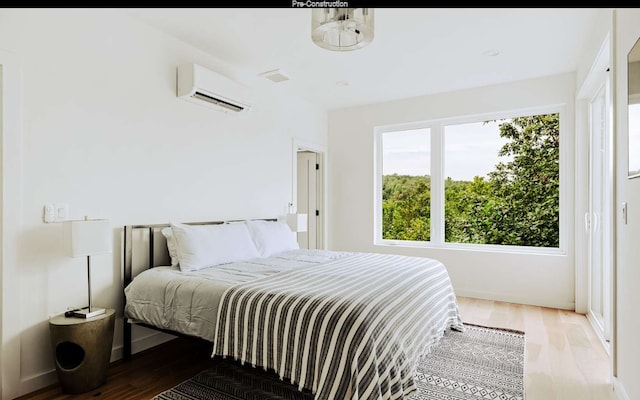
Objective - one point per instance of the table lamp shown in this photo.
(88, 237)
(297, 222)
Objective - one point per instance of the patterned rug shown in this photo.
(477, 364)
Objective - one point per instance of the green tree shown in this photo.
(529, 184)
(468, 207)
(406, 207)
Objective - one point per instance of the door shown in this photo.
(599, 218)
(309, 199)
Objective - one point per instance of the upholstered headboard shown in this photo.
(145, 247)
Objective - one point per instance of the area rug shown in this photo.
(479, 363)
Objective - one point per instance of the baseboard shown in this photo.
(36, 382)
(508, 298)
(141, 344)
(621, 394)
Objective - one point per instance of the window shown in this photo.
(406, 182)
(470, 182)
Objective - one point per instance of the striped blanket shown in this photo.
(352, 328)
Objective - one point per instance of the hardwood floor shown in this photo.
(145, 375)
(564, 359)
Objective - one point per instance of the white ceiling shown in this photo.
(415, 51)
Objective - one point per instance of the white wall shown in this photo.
(11, 206)
(103, 131)
(546, 280)
(627, 30)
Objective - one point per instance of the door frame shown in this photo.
(321, 151)
(11, 211)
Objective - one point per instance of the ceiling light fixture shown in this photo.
(342, 29)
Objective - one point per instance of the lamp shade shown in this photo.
(297, 222)
(88, 237)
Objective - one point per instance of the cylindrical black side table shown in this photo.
(82, 350)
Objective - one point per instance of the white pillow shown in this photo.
(171, 245)
(272, 237)
(202, 246)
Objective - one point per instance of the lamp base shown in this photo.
(88, 313)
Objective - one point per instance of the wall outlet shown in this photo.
(49, 213)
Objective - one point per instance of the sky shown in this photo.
(470, 150)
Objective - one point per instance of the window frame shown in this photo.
(437, 127)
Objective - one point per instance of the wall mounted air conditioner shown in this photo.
(208, 88)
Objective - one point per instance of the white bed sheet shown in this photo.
(187, 302)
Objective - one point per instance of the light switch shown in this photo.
(62, 211)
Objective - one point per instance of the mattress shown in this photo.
(187, 302)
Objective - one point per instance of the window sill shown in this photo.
(485, 248)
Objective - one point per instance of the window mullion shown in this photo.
(437, 184)
(378, 147)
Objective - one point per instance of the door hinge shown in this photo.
(317, 213)
(317, 166)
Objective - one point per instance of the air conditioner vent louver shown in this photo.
(218, 102)
(202, 86)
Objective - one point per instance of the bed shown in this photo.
(343, 325)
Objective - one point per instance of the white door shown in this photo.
(308, 194)
(599, 218)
